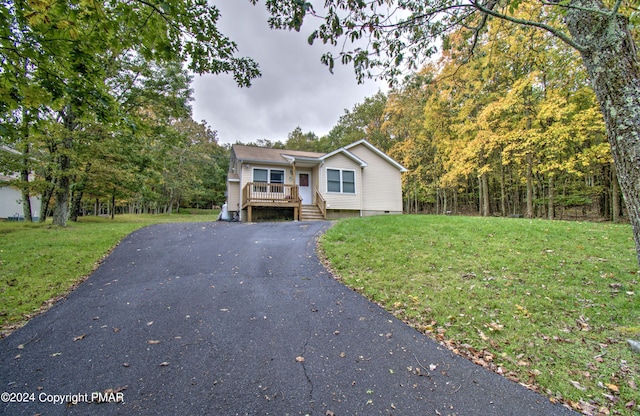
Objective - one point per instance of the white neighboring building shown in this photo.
(11, 202)
(11, 198)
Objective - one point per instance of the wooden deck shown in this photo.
(259, 194)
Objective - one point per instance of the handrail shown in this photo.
(321, 203)
(270, 192)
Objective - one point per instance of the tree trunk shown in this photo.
(26, 196)
(45, 198)
(113, 203)
(76, 206)
(615, 195)
(551, 210)
(63, 188)
(480, 196)
(529, 186)
(25, 168)
(486, 206)
(612, 63)
(503, 193)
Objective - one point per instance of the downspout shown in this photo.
(240, 165)
(361, 191)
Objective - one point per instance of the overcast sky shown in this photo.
(295, 88)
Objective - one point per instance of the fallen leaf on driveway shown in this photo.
(164, 364)
(299, 359)
(79, 337)
(153, 341)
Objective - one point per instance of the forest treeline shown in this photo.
(513, 129)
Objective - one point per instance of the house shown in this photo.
(11, 196)
(11, 201)
(355, 180)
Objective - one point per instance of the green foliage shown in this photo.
(297, 140)
(113, 68)
(547, 304)
(364, 121)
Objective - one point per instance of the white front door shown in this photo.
(303, 180)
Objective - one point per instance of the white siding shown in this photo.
(337, 200)
(381, 182)
(233, 198)
(11, 203)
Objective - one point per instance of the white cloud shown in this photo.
(295, 88)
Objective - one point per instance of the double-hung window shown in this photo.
(341, 181)
(275, 177)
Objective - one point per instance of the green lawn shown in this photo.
(549, 304)
(39, 262)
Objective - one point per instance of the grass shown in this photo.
(549, 304)
(39, 262)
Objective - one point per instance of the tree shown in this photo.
(297, 140)
(389, 34)
(58, 59)
(364, 121)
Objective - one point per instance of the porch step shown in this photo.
(311, 213)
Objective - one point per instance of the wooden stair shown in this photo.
(311, 213)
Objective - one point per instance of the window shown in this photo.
(341, 181)
(333, 180)
(272, 176)
(260, 175)
(277, 176)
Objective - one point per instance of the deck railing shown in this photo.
(256, 192)
(321, 203)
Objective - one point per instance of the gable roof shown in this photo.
(264, 154)
(246, 153)
(376, 151)
(348, 154)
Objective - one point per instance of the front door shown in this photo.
(303, 180)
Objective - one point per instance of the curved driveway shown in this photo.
(237, 319)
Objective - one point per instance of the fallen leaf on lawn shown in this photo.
(153, 341)
(79, 337)
(632, 384)
(299, 359)
(577, 385)
(612, 387)
(164, 364)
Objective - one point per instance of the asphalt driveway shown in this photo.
(236, 319)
